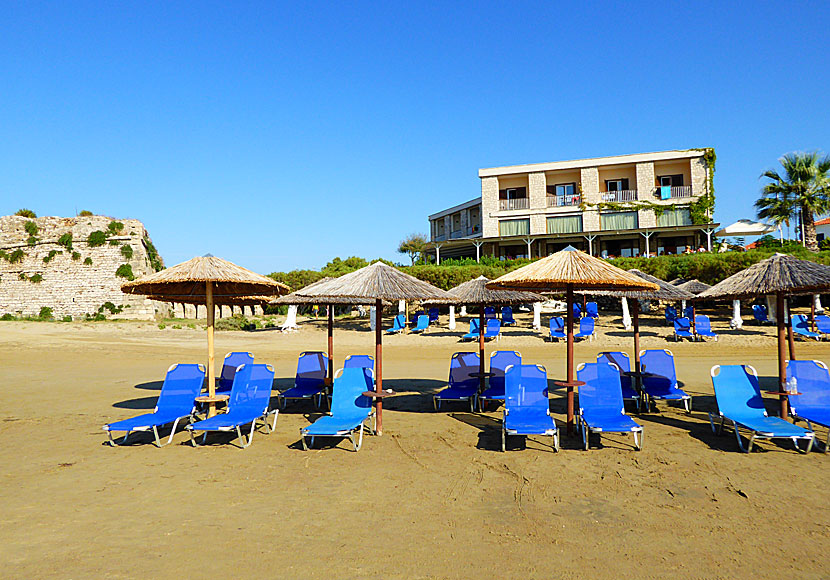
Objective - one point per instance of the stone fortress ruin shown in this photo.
(75, 267)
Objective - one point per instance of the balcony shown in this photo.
(457, 233)
(675, 192)
(618, 196)
(563, 200)
(439, 238)
(517, 203)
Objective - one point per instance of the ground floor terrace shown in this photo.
(603, 244)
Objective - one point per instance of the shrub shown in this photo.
(96, 238)
(45, 313)
(7, 316)
(76, 256)
(16, 256)
(87, 261)
(114, 227)
(31, 228)
(85, 213)
(235, 322)
(66, 318)
(114, 242)
(50, 256)
(111, 307)
(22, 276)
(162, 326)
(26, 213)
(31, 240)
(125, 271)
(98, 317)
(66, 240)
(127, 251)
(153, 256)
(177, 327)
(37, 278)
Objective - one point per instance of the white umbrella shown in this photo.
(745, 228)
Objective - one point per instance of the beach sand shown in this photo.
(434, 497)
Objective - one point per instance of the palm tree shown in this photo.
(803, 186)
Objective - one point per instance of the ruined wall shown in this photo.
(37, 271)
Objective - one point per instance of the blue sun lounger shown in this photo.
(739, 401)
(349, 409)
(689, 312)
(703, 327)
(591, 310)
(577, 311)
(489, 312)
(823, 324)
(461, 386)
(249, 403)
(492, 329)
(359, 361)
(507, 316)
(660, 378)
(683, 329)
(398, 324)
(586, 328)
(310, 380)
(181, 386)
(499, 361)
(233, 360)
(801, 326)
(623, 363)
(671, 314)
(473, 334)
(557, 328)
(601, 406)
(812, 379)
(433, 315)
(759, 311)
(526, 405)
(422, 324)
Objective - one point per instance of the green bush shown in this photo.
(111, 307)
(127, 251)
(31, 228)
(7, 317)
(50, 256)
(96, 238)
(66, 318)
(85, 213)
(97, 317)
(31, 240)
(26, 213)
(235, 322)
(114, 242)
(16, 256)
(177, 327)
(114, 227)
(87, 261)
(45, 313)
(153, 256)
(76, 256)
(22, 276)
(162, 326)
(37, 279)
(125, 271)
(66, 241)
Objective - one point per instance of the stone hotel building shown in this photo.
(628, 205)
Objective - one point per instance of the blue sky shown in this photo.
(280, 135)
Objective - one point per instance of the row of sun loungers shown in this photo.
(522, 388)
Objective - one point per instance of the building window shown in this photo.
(622, 220)
(670, 180)
(616, 184)
(514, 227)
(513, 193)
(621, 248)
(562, 189)
(675, 217)
(566, 224)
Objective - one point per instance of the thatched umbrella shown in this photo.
(783, 276)
(296, 299)
(665, 291)
(210, 281)
(475, 293)
(378, 282)
(567, 270)
(694, 286)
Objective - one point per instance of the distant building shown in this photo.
(604, 206)
(822, 229)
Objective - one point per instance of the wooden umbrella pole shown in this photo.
(569, 317)
(331, 344)
(378, 366)
(812, 313)
(782, 354)
(211, 370)
(635, 320)
(481, 347)
(692, 321)
(789, 324)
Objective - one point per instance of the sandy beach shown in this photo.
(434, 497)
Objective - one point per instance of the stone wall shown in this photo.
(51, 275)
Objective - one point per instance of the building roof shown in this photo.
(823, 222)
(467, 204)
(592, 162)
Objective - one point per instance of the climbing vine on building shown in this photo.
(703, 208)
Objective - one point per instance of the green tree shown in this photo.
(413, 245)
(803, 186)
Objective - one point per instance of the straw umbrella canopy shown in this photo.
(380, 283)
(297, 299)
(475, 292)
(694, 286)
(568, 270)
(210, 281)
(781, 275)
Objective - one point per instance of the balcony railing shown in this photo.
(676, 191)
(517, 203)
(439, 238)
(623, 195)
(457, 233)
(563, 200)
